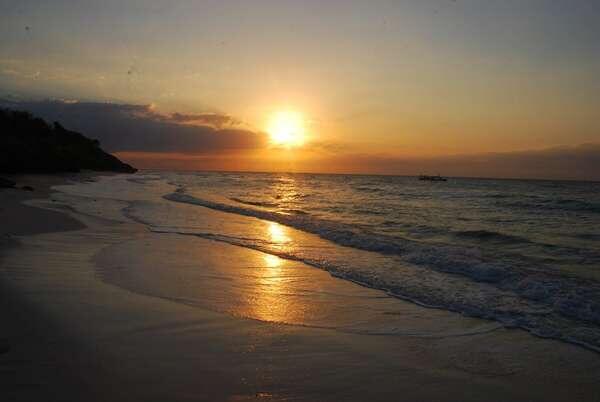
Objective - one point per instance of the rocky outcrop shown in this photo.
(29, 145)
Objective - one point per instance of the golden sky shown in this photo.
(382, 79)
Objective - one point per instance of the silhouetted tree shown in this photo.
(29, 144)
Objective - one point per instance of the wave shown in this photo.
(364, 211)
(294, 211)
(367, 189)
(588, 236)
(553, 205)
(144, 178)
(577, 205)
(499, 286)
(255, 203)
(490, 236)
(493, 304)
(344, 234)
(497, 195)
(439, 256)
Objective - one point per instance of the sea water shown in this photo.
(523, 253)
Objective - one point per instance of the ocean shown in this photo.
(521, 253)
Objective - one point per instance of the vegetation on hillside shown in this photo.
(30, 145)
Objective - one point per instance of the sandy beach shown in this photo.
(77, 325)
(299, 201)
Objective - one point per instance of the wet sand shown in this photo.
(77, 327)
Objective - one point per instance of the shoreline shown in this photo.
(122, 345)
(30, 338)
(19, 219)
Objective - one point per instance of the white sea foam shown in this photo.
(462, 279)
(461, 265)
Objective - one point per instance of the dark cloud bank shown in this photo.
(138, 128)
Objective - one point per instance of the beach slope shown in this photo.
(73, 329)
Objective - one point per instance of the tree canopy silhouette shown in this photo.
(30, 145)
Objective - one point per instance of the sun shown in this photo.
(286, 129)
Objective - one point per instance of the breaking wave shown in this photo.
(490, 236)
(512, 290)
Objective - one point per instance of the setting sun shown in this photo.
(286, 129)
(289, 197)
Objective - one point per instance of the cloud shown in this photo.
(217, 141)
(140, 128)
(208, 119)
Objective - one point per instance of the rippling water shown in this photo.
(557, 221)
(523, 253)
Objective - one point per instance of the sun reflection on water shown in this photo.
(274, 297)
(277, 233)
(272, 261)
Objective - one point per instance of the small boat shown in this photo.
(432, 178)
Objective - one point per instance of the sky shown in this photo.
(468, 87)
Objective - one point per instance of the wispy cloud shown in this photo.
(209, 119)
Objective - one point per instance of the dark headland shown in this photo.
(29, 144)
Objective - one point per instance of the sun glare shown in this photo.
(286, 129)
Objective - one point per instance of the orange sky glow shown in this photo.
(388, 87)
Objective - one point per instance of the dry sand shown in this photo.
(68, 334)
